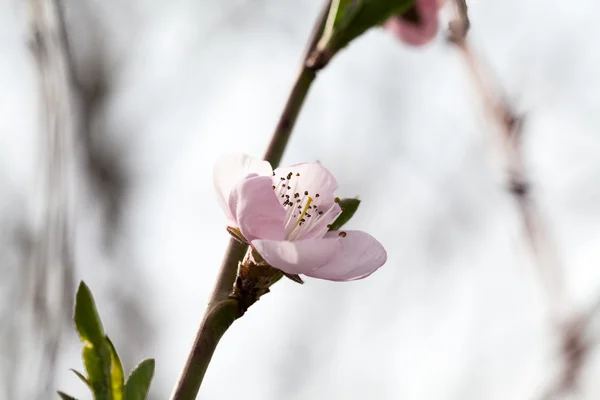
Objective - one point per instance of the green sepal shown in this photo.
(349, 207)
(348, 19)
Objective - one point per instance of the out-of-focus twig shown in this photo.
(574, 347)
(223, 309)
(509, 126)
(49, 275)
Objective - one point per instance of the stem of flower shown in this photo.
(222, 310)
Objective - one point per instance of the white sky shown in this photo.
(458, 312)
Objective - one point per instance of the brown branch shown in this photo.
(223, 309)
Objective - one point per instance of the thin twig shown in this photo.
(305, 77)
(574, 347)
(509, 125)
(222, 310)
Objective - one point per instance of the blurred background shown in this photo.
(459, 312)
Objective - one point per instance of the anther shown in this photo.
(336, 200)
(298, 174)
(320, 212)
(289, 176)
(273, 187)
(317, 195)
(306, 192)
(342, 234)
(282, 178)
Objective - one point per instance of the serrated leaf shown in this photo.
(87, 320)
(349, 19)
(83, 378)
(65, 396)
(116, 373)
(138, 382)
(349, 207)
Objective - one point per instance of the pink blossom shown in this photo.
(285, 215)
(421, 32)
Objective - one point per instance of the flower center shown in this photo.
(305, 215)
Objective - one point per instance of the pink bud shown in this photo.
(420, 30)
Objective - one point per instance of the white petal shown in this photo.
(312, 178)
(257, 209)
(230, 169)
(360, 255)
(297, 257)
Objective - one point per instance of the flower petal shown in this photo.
(230, 169)
(297, 257)
(312, 178)
(257, 210)
(360, 255)
(421, 32)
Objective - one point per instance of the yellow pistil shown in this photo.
(310, 199)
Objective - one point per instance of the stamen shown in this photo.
(301, 219)
(342, 234)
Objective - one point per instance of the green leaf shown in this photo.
(116, 373)
(138, 382)
(83, 378)
(348, 19)
(87, 320)
(96, 349)
(349, 207)
(97, 365)
(65, 396)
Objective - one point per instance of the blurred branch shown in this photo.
(509, 126)
(50, 269)
(575, 350)
(222, 310)
(572, 328)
